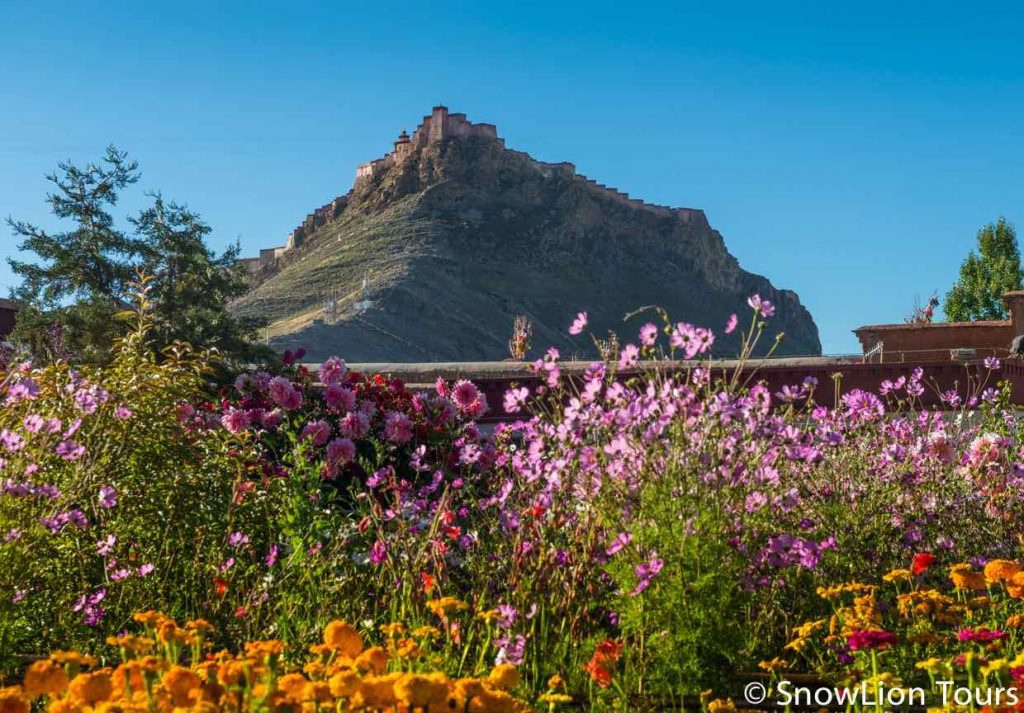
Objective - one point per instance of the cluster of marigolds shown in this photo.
(924, 625)
(169, 668)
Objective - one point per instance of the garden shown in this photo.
(644, 537)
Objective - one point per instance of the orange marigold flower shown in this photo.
(1015, 586)
(504, 676)
(12, 700)
(45, 678)
(446, 606)
(373, 660)
(344, 684)
(179, 681)
(91, 688)
(343, 638)
(964, 577)
(416, 690)
(1000, 570)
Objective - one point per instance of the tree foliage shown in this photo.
(81, 279)
(986, 275)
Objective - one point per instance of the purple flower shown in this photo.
(378, 553)
(105, 546)
(761, 306)
(341, 451)
(235, 420)
(69, 450)
(621, 540)
(332, 371)
(122, 413)
(237, 539)
(992, 363)
(398, 427)
(319, 432)
(108, 497)
(272, 553)
(646, 573)
(146, 569)
(510, 649)
(11, 441)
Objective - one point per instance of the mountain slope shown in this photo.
(454, 235)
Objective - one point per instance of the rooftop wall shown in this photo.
(935, 342)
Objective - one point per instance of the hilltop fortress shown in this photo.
(438, 126)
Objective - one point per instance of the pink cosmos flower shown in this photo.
(579, 324)
(145, 569)
(515, 399)
(378, 553)
(122, 413)
(761, 306)
(33, 423)
(730, 325)
(629, 356)
(648, 334)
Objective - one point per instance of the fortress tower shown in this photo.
(436, 127)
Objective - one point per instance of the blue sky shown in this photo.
(847, 151)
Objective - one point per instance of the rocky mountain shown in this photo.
(441, 243)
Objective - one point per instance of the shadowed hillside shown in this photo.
(441, 243)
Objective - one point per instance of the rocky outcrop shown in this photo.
(443, 241)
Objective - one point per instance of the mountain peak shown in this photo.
(443, 241)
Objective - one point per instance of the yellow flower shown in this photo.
(998, 666)
(721, 705)
(393, 629)
(426, 632)
(898, 575)
(201, 626)
(343, 638)
(1015, 621)
(556, 682)
(775, 664)
(934, 666)
(554, 699)
(504, 676)
(1000, 570)
(445, 606)
(45, 678)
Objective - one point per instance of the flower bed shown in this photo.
(638, 536)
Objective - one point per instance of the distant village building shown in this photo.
(930, 342)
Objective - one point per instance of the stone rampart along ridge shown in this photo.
(443, 241)
(437, 126)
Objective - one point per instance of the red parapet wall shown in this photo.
(494, 378)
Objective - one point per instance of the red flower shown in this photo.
(428, 582)
(922, 561)
(871, 639)
(600, 665)
(222, 586)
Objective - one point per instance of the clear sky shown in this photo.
(848, 151)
